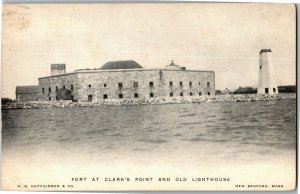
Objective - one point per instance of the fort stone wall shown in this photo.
(116, 84)
(98, 85)
(50, 85)
(188, 83)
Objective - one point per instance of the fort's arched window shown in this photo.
(191, 84)
(171, 83)
(49, 98)
(29, 99)
(49, 89)
(208, 93)
(181, 93)
(191, 93)
(104, 85)
(136, 95)
(151, 84)
(72, 87)
(151, 95)
(105, 96)
(120, 95)
(56, 89)
(180, 83)
(199, 93)
(208, 84)
(43, 90)
(171, 94)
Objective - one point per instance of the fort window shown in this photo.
(49, 89)
(260, 67)
(49, 98)
(199, 93)
(151, 84)
(90, 98)
(208, 84)
(151, 95)
(180, 83)
(171, 83)
(181, 93)
(190, 83)
(191, 93)
(266, 90)
(208, 93)
(199, 83)
(64, 87)
(171, 94)
(56, 89)
(43, 90)
(104, 85)
(105, 96)
(90, 85)
(72, 87)
(120, 85)
(36, 99)
(72, 98)
(136, 84)
(136, 95)
(56, 97)
(29, 99)
(274, 90)
(120, 95)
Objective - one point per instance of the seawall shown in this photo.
(149, 101)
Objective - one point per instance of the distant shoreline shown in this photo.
(150, 101)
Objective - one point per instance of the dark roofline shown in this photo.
(30, 89)
(125, 64)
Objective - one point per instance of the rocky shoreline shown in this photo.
(149, 101)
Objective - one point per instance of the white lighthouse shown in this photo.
(267, 82)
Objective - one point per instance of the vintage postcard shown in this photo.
(149, 97)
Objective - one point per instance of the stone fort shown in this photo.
(118, 80)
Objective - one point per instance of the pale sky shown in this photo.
(225, 38)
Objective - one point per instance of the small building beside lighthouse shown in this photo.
(267, 82)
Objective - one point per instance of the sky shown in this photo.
(225, 38)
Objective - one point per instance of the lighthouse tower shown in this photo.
(267, 82)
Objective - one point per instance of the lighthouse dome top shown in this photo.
(265, 50)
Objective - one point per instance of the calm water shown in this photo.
(221, 130)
